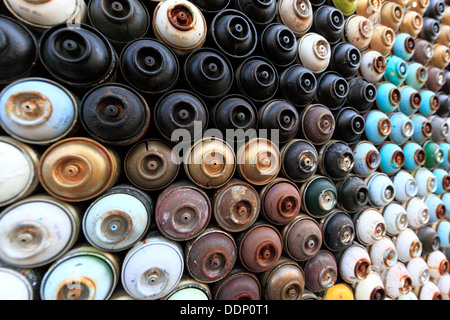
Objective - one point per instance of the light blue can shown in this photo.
(392, 158)
(445, 147)
(442, 228)
(436, 207)
(443, 180)
(417, 75)
(422, 128)
(414, 156)
(410, 101)
(366, 158)
(430, 103)
(396, 70)
(404, 46)
(402, 127)
(378, 126)
(388, 97)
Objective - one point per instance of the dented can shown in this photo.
(83, 273)
(118, 219)
(78, 169)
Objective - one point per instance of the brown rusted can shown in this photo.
(280, 201)
(383, 39)
(391, 15)
(211, 255)
(441, 56)
(285, 281)
(182, 211)
(78, 169)
(236, 205)
(317, 124)
(424, 51)
(412, 23)
(321, 271)
(151, 165)
(258, 161)
(259, 247)
(302, 238)
(239, 284)
(210, 163)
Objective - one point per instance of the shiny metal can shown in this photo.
(78, 169)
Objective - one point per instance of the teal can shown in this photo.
(392, 158)
(417, 75)
(404, 46)
(414, 156)
(430, 103)
(396, 70)
(410, 101)
(388, 97)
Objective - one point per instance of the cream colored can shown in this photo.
(18, 170)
